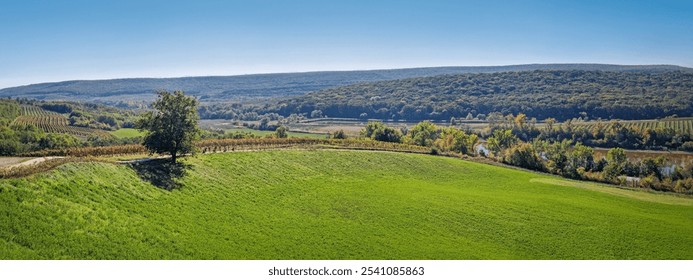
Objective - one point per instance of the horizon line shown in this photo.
(336, 71)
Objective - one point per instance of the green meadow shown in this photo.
(127, 133)
(329, 204)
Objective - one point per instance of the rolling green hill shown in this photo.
(333, 205)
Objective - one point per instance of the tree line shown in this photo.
(523, 146)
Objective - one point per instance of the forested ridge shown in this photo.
(137, 92)
(538, 94)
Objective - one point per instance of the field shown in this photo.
(352, 127)
(127, 133)
(290, 133)
(52, 122)
(30, 110)
(330, 204)
(227, 126)
(684, 125)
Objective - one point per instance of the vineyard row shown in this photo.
(29, 110)
(679, 125)
(229, 145)
(56, 123)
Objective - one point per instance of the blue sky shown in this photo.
(46, 41)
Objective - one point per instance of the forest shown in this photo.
(539, 94)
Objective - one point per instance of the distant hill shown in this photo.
(561, 94)
(226, 88)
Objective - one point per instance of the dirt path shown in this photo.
(10, 163)
(7, 161)
(140, 160)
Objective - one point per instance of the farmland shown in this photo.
(333, 205)
(228, 126)
(353, 126)
(51, 122)
(127, 133)
(266, 132)
(34, 111)
(684, 125)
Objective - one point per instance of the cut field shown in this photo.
(127, 133)
(333, 205)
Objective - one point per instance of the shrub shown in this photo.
(422, 134)
(524, 155)
(684, 186)
(339, 134)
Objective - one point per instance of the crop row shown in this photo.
(55, 123)
(228, 145)
(42, 121)
(30, 110)
(679, 125)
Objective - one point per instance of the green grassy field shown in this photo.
(334, 205)
(127, 133)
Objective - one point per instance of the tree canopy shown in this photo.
(172, 127)
(538, 94)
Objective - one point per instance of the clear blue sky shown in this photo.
(62, 40)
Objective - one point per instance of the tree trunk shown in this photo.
(174, 152)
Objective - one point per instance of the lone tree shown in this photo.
(281, 132)
(172, 126)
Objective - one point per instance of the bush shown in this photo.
(687, 146)
(684, 186)
(649, 182)
(380, 132)
(281, 132)
(339, 134)
(387, 134)
(422, 134)
(524, 155)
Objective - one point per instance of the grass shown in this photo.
(127, 133)
(329, 204)
(267, 132)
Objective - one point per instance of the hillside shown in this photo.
(30, 125)
(333, 205)
(540, 94)
(226, 88)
